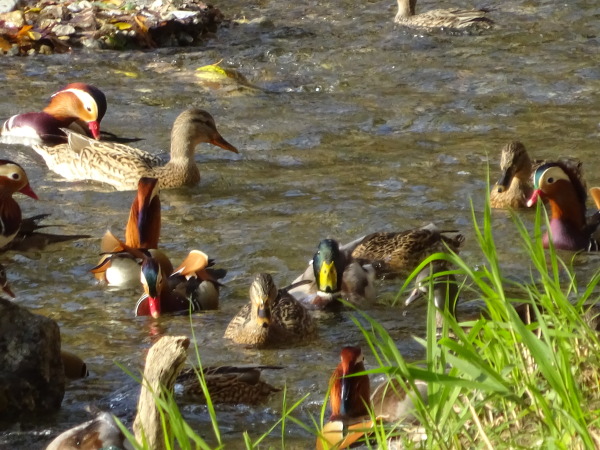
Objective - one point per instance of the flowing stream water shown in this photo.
(358, 126)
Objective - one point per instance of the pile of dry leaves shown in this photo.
(57, 27)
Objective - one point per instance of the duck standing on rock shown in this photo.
(78, 105)
(121, 166)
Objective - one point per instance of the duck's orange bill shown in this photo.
(29, 192)
(94, 127)
(534, 197)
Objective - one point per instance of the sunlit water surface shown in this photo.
(358, 126)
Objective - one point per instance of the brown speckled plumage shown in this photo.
(228, 384)
(273, 317)
(453, 18)
(399, 253)
(121, 166)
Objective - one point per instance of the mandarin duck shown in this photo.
(227, 384)
(273, 317)
(562, 186)
(444, 289)
(399, 253)
(351, 401)
(12, 179)
(120, 268)
(78, 104)
(122, 166)
(192, 286)
(333, 274)
(164, 362)
(455, 19)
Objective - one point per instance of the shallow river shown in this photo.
(359, 126)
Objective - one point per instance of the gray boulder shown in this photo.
(32, 378)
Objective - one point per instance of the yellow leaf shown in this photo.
(34, 35)
(127, 74)
(33, 10)
(4, 44)
(122, 25)
(212, 71)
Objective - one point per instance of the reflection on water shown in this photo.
(360, 126)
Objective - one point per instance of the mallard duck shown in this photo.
(515, 185)
(163, 363)
(77, 104)
(121, 268)
(192, 286)
(566, 194)
(457, 19)
(122, 166)
(12, 179)
(445, 289)
(273, 317)
(399, 253)
(333, 274)
(228, 384)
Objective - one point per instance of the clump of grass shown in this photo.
(498, 381)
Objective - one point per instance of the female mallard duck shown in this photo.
(228, 384)
(333, 274)
(77, 104)
(515, 185)
(457, 19)
(273, 317)
(444, 289)
(192, 286)
(399, 253)
(566, 194)
(12, 179)
(122, 166)
(120, 268)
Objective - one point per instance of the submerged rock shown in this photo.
(32, 378)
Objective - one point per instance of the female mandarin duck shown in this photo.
(351, 401)
(122, 166)
(192, 286)
(12, 179)
(333, 274)
(77, 105)
(565, 192)
(515, 185)
(399, 253)
(273, 317)
(457, 19)
(120, 268)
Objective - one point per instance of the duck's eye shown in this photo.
(89, 109)
(15, 176)
(551, 180)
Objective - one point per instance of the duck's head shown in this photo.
(263, 293)
(79, 101)
(514, 161)
(196, 126)
(328, 266)
(559, 183)
(153, 280)
(349, 395)
(14, 179)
